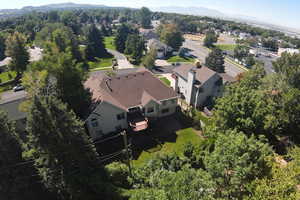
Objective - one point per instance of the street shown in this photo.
(201, 53)
(123, 63)
(9, 96)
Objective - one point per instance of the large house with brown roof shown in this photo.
(198, 85)
(127, 101)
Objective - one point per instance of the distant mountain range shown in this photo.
(200, 11)
(62, 6)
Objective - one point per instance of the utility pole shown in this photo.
(123, 133)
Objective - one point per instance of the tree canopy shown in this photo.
(171, 36)
(16, 49)
(145, 17)
(64, 156)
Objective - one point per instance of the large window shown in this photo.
(150, 110)
(121, 116)
(94, 122)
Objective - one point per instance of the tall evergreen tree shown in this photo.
(215, 61)
(135, 46)
(17, 179)
(64, 156)
(95, 46)
(16, 49)
(121, 37)
(2, 47)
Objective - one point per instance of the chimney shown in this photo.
(190, 86)
(198, 64)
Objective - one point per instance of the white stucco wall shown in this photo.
(209, 88)
(168, 105)
(155, 106)
(108, 121)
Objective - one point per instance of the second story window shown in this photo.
(164, 103)
(121, 116)
(94, 122)
(150, 110)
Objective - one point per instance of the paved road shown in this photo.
(123, 63)
(11, 96)
(201, 53)
(267, 63)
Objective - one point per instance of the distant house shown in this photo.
(127, 101)
(287, 50)
(161, 48)
(10, 103)
(197, 84)
(148, 34)
(243, 36)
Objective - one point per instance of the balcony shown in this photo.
(137, 121)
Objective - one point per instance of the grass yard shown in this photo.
(226, 47)
(109, 42)
(183, 136)
(101, 64)
(7, 76)
(165, 80)
(174, 59)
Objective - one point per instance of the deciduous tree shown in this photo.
(145, 17)
(210, 39)
(171, 36)
(16, 49)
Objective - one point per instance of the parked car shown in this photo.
(18, 88)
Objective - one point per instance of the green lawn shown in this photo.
(183, 136)
(101, 64)
(109, 42)
(226, 47)
(174, 59)
(6, 76)
(165, 80)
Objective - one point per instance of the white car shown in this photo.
(18, 88)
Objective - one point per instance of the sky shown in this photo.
(281, 12)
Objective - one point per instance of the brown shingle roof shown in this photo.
(129, 90)
(202, 74)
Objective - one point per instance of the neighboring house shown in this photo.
(287, 50)
(243, 36)
(10, 103)
(161, 48)
(197, 84)
(127, 101)
(148, 34)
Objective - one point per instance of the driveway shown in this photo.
(123, 63)
(201, 53)
(9, 96)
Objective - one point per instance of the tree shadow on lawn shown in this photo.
(160, 132)
(151, 140)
